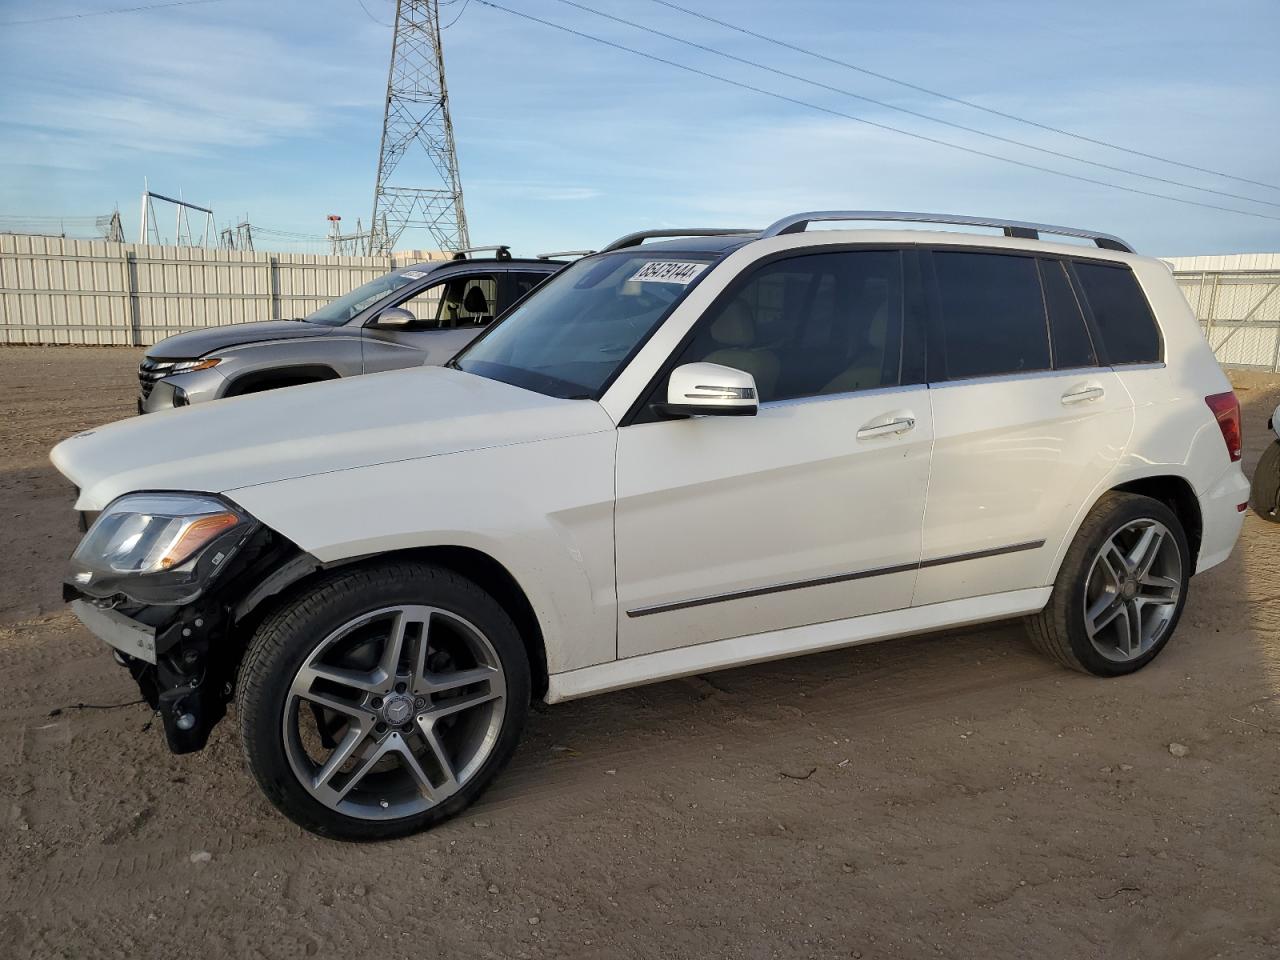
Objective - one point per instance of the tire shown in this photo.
(412, 741)
(1086, 582)
(1264, 493)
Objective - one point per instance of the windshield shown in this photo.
(571, 337)
(339, 311)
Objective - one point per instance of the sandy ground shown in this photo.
(943, 796)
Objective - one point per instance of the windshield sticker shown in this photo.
(413, 275)
(668, 271)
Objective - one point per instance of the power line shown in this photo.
(959, 100)
(458, 17)
(914, 113)
(103, 13)
(873, 123)
(381, 23)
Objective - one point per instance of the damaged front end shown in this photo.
(164, 578)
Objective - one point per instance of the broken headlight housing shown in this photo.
(157, 548)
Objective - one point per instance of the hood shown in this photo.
(196, 343)
(318, 428)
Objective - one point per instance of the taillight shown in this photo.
(1226, 409)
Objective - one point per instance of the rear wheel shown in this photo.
(1264, 495)
(383, 701)
(1120, 590)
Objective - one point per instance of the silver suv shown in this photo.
(417, 315)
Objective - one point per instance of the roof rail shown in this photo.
(640, 236)
(565, 253)
(500, 252)
(798, 222)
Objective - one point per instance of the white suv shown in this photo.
(673, 457)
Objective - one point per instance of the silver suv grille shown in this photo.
(149, 371)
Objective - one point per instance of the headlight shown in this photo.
(157, 547)
(191, 366)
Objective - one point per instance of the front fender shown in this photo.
(339, 352)
(544, 510)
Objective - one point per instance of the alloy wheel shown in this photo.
(1132, 593)
(394, 712)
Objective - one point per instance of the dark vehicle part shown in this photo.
(1264, 493)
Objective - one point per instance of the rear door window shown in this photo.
(992, 314)
(1121, 314)
(1071, 344)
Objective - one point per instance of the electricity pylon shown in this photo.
(416, 123)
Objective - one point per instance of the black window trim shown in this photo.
(908, 251)
(1084, 315)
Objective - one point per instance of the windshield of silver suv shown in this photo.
(339, 311)
(578, 331)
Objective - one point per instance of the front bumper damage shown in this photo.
(184, 658)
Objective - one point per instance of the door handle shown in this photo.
(888, 429)
(1083, 394)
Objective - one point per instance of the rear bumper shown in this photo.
(1222, 517)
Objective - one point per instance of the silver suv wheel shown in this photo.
(394, 712)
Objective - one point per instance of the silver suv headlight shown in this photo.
(157, 548)
(191, 366)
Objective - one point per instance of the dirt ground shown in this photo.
(944, 796)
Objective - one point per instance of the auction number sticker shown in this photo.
(668, 271)
(413, 275)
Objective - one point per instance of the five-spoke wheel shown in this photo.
(394, 711)
(1120, 589)
(382, 700)
(1133, 590)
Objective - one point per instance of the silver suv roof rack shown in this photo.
(501, 252)
(565, 253)
(798, 222)
(640, 236)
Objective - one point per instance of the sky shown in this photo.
(274, 110)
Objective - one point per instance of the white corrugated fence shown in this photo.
(1237, 298)
(58, 290)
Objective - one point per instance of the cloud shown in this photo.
(184, 88)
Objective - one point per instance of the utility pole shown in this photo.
(415, 125)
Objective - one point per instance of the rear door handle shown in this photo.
(889, 428)
(1083, 394)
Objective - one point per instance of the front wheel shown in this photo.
(383, 700)
(1120, 590)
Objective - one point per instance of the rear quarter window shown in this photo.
(1121, 314)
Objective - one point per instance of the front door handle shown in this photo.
(889, 428)
(1083, 394)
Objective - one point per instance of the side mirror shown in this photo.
(394, 318)
(699, 389)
